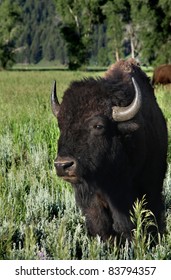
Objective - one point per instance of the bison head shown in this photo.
(88, 119)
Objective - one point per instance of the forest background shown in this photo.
(81, 33)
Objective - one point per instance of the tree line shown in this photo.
(77, 33)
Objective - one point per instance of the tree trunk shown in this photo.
(117, 55)
(132, 47)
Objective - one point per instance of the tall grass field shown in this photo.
(38, 216)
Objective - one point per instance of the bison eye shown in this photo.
(98, 129)
(99, 126)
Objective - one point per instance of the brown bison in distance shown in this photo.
(162, 75)
(112, 147)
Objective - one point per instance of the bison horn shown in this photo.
(121, 114)
(54, 100)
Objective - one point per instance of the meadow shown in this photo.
(38, 215)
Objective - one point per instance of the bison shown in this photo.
(112, 147)
(162, 75)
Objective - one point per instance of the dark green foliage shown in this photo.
(163, 15)
(117, 15)
(80, 33)
(137, 28)
(40, 37)
(77, 52)
(9, 22)
(150, 21)
(77, 20)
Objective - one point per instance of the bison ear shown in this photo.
(127, 127)
(54, 100)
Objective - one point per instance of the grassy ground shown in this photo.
(38, 216)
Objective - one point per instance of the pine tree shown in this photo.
(77, 20)
(163, 49)
(40, 37)
(9, 24)
(151, 29)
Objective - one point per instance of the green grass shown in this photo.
(38, 215)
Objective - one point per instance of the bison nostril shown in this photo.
(65, 166)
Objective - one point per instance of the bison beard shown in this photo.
(112, 147)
